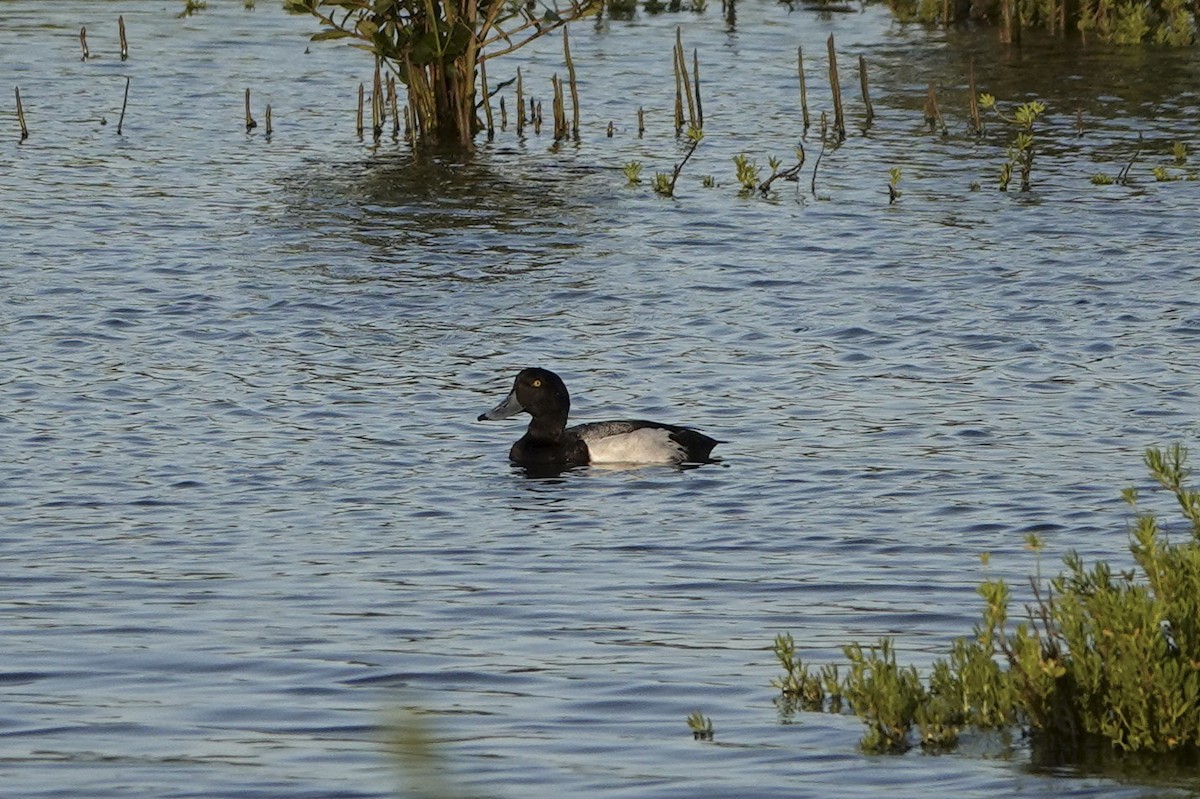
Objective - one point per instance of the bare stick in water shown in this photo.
(976, 122)
(124, 41)
(520, 104)
(641, 121)
(933, 116)
(125, 102)
(803, 89)
(696, 81)
(503, 114)
(574, 88)
(839, 119)
(83, 43)
(362, 90)
(487, 100)
(267, 122)
(21, 116)
(687, 83)
(395, 101)
(250, 123)
(377, 108)
(866, 94)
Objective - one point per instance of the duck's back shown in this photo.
(640, 441)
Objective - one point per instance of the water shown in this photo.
(248, 516)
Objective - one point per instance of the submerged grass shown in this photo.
(1101, 657)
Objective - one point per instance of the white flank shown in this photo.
(647, 445)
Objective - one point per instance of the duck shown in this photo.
(549, 442)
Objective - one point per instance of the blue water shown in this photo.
(249, 523)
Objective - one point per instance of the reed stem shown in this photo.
(378, 111)
(359, 122)
(641, 121)
(696, 81)
(83, 43)
(803, 89)
(866, 93)
(487, 101)
(973, 100)
(574, 88)
(21, 115)
(267, 121)
(124, 41)
(250, 123)
(839, 119)
(124, 103)
(520, 105)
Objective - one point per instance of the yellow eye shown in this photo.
(537, 383)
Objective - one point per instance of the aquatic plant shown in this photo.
(746, 172)
(633, 172)
(894, 174)
(664, 184)
(701, 726)
(1101, 656)
(436, 48)
(1020, 151)
(1170, 22)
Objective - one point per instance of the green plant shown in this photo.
(1100, 656)
(701, 726)
(746, 171)
(894, 175)
(779, 173)
(633, 172)
(708, 181)
(1019, 154)
(435, 48)
(191, 7)
(1180, 151)
(1101, 179)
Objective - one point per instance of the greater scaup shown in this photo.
(543, 395)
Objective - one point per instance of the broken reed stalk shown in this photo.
(803, 89)
(536, 113)
(1123, 175)
(839, 119)
(696, 81)
(395, 102)
(574, 89)
(687, 83)
(124, 103)
(520, 104)
(560, 122)
(641, 121)
(820, 154)
(362, 90)
(267, 130)
(976, 122)
(124, 41)
(611, 129)
(410, 125)
(21, 115)
(503, 114)
(678, 95)
(83, 43)
(487, 101)
(866, 94)
(378, 111)
(933, 117)
(250, 123)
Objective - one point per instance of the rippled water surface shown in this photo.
(248, 516)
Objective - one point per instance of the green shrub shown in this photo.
(1101, 656)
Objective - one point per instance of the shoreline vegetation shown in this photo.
(439, 49)
(1102, 656)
